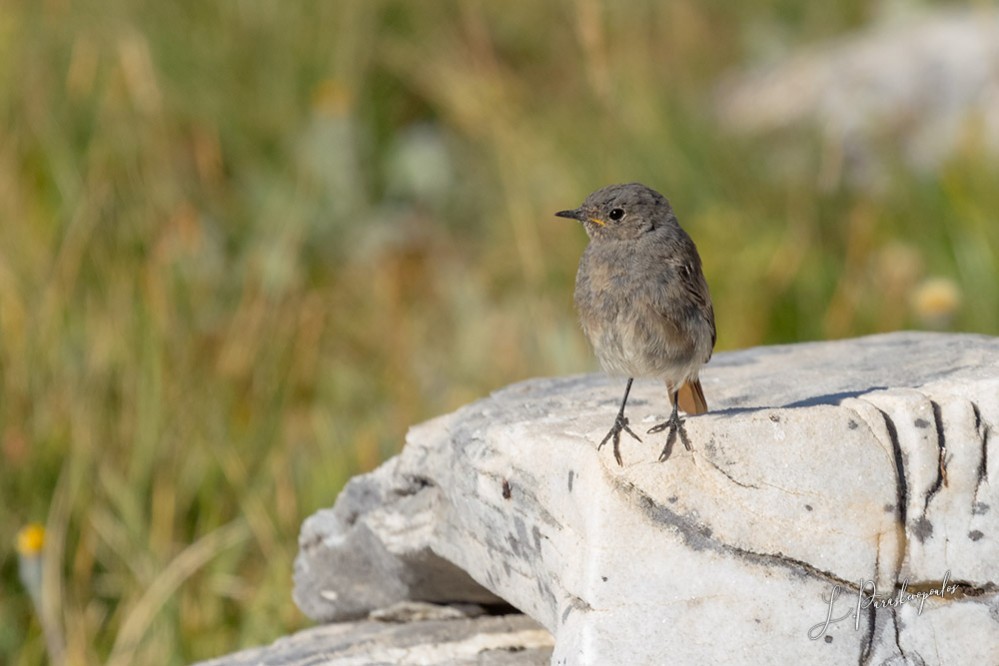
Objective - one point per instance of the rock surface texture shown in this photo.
(459, 641)
(840, 506)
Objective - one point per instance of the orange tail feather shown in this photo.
(691, 398)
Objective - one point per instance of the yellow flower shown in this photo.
(935, 301)
(31, 540)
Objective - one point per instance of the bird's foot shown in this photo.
(676, 427)
(620, 423)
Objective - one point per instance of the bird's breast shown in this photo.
(635, 318)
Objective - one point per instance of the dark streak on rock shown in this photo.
(866, 653)
(571, 475)
(699, 537)
(550, 597)
(731, 478)
(902, 486)
(964, 588)
(514, 545)
(898, 638)
(983, 431)
(941, 479)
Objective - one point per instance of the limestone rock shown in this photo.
(825, 471)
(483, 641)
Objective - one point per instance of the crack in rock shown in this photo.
(699, 537)
(868, 651)
(732, 478)
(941, 479)
(984, 432)
(901, 485)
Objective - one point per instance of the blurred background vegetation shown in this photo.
(244, 245)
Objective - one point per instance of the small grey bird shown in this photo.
(643, 301)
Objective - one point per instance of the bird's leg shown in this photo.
(620, 423)
(675, 425)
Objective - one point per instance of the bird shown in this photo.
(643, 301)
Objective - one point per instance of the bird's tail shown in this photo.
(691, 397)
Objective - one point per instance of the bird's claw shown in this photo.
(620, 423)
(675, 426)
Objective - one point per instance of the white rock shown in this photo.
(726, 554)
(481, 641)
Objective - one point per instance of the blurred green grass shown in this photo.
(244, 245)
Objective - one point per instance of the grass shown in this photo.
(245, 245)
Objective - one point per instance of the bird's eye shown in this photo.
(616, 214)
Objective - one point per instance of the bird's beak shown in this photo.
(577, 214)
(581, 215)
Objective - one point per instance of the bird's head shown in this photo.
(619, 212)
